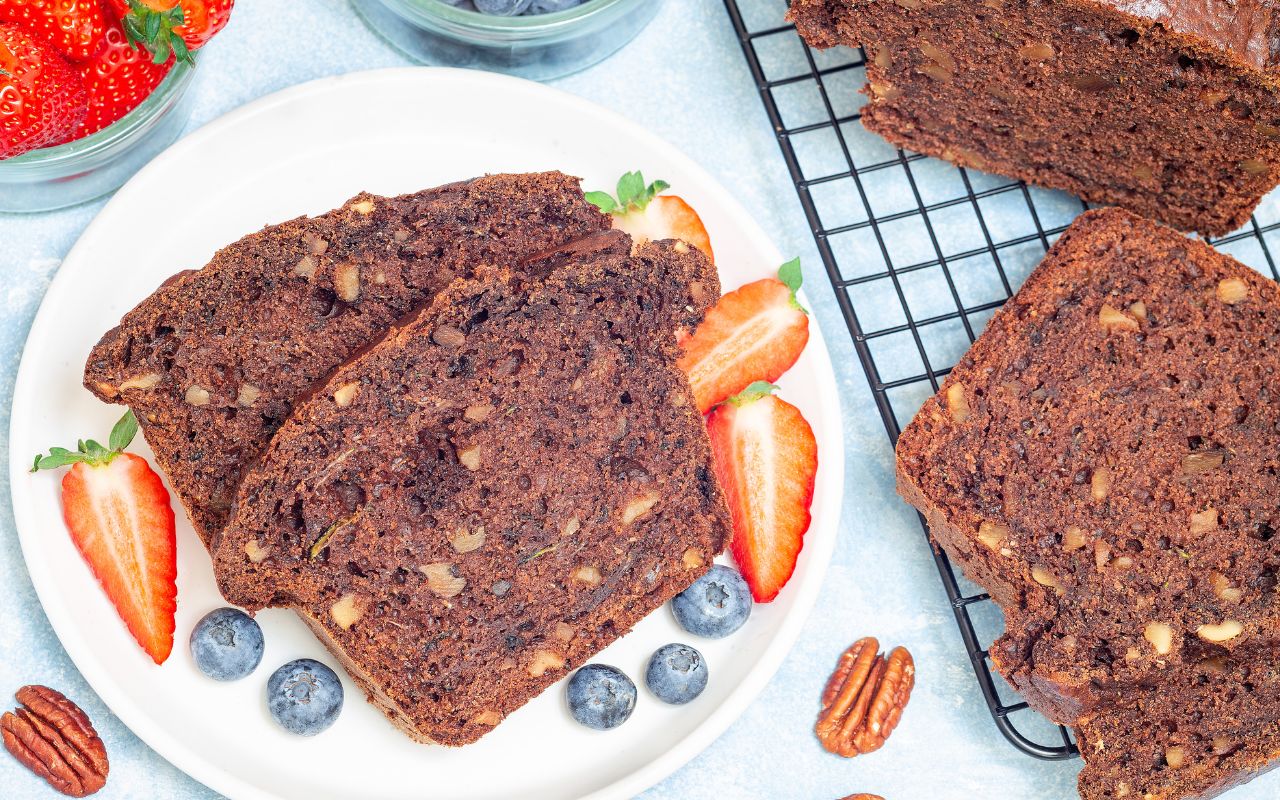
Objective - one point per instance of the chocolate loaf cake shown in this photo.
(1169, 109)
(212, 362)
(1104, 461)
(1191, 740)
(493, 493)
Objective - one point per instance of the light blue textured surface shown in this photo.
(685, 78)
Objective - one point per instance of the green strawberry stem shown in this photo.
(633, 195)
(154, 30)
(790, 274)
(753, 393)
(90, 452)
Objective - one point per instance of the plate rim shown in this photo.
(225, 781)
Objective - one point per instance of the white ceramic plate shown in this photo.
(304, 151)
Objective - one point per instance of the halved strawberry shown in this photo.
(120, 520)
(754, 333)
(766, 459)
(648, 215)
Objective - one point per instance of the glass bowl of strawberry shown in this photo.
(537, 39)
(91, 90)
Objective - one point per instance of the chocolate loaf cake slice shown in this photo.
(212, 362)
(1169, 109)
(493, 493)
(1104, 461)
(1191, 740)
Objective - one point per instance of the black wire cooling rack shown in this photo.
(920, 254)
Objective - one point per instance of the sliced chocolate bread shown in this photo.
(1194, 739)
(212, 362)
(1169, 109)
(493, 493)
(1104, 461)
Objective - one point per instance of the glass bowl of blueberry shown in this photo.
(537, 39)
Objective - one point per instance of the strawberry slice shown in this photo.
(120, 520)
(754, 333)
(648, 215)
(766, 460)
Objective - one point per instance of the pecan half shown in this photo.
(53, 738)
(864, 698)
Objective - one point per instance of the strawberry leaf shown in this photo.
(633, 195)
(96, 453)
(154, 30)
(123, 432)
(791, 275)
(602, 200)
(89, 451)
(58, 457)
(753, 393)
(631, 189)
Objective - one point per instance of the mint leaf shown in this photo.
(791, 275)
(602, 201)
(123, 432)
(752, 393)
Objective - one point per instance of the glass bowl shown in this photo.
(537, 46)
(75, 172)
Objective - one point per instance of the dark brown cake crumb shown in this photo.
(212, 362)
(496, 491)
(1207, 732)
(1169, 109)
(1104, 461)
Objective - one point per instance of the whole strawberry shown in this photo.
(117, 80)
(75, 28)
(42, 99)
(172, 26)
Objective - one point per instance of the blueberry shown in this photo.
(226, 644)
(715, 605)
(677, 673)
(304, 696)
(601, 697)
(550, 6)
(502, 8)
